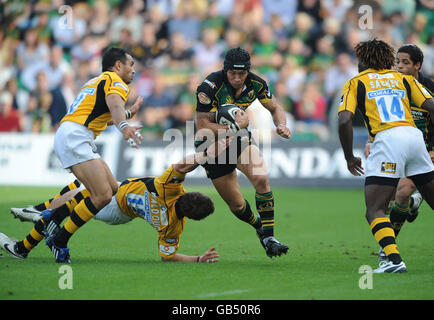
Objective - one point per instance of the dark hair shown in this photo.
(375, 54)
(236, 59)
(111, 55)
(194, 205)
(416, 55)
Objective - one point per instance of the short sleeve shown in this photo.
(205, 96)
(116, 85)
(348, 98)
(171, 176)
(264, 94)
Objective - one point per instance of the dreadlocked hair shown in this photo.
(375, 54)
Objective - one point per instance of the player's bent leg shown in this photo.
(228, 188)
(72, 186)
(425, 184)
(58, 202)
(98, 179)
(45, 225)
(100, 182)
(378, 191)
(33, 213)
(252, 164)
(401, 207)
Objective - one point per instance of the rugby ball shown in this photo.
(226, 114)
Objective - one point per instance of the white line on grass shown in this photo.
(215, 294)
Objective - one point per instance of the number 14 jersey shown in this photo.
(383, 97)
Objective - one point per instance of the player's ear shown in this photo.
(118, 64)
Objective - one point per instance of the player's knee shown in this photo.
(115, 188)
(102, 199)
(403, 195)
(371, 215)
(236, 207)
(261, 183)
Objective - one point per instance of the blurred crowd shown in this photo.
(303, 48)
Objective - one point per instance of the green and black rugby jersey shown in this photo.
(422, 117)
(215, 91)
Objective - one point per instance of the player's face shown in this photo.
(237, 78)
(127, 70)
(404, 64)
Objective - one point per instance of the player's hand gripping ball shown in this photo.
(232, 116)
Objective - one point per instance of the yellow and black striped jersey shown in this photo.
(153, 199)
(90, 108)
(383, 97)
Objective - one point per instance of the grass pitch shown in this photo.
(328, 237)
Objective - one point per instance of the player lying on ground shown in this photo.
(383, 96)
(161, 201)
(405, 206)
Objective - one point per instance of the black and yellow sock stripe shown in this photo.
(82, 213)
(71, 204)
(398, 215)
(265, 207)
(33, 238)
(248, 216)
(383, 232)
(44, 205)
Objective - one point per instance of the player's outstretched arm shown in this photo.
(116, 106)
(279, 118)
(190, 162)
(210, 256)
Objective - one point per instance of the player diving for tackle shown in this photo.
(161, 201)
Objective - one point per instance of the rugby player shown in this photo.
(161, 201)
(409, 61)
(383, 96)
(236, 84)
(101, 101)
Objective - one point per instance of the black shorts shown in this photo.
(226, 162)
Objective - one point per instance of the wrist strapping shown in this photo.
(122, 125)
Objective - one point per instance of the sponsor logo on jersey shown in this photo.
(170, 241)
(381, 76)
(386, 92)
(388, 167)
(203, 98)
(120, 84)
(211, 84)
(167, 250)
(418, 115)
(149, 208)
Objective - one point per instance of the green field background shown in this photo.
(325, 229)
